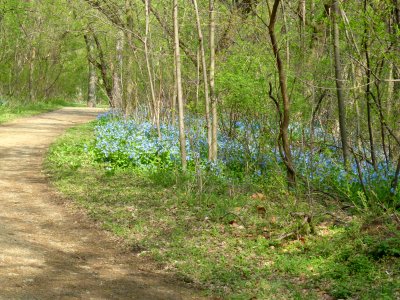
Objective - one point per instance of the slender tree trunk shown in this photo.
(284, 125)
(117, 72)
(358, 89)
(156, 112)
(395, 181)
(214, 113)
(205, 80)
(285, 32)
(302, 23)
(91, 100)
(178, 81)
(369, 116)
(159, 99)
(173, 104)
(389, 104)
(396, 70)
(104, 70)
(368, 92)
(32, 74)
(339, 82)
(197, 100)
(129, 94)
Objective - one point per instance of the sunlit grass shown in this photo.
(12, 110)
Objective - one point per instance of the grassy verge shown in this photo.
(237, 241)
(11, 111)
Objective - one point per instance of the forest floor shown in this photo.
(236, 240)
(49, 250)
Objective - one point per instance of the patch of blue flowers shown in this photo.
(326, 170)
(122, 142)
(125, 142)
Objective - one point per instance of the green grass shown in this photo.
(14, 110)
(229, 239)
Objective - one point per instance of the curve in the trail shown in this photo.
(47, 251)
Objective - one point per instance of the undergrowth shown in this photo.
(244, 239)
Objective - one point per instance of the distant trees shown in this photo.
(38, 50)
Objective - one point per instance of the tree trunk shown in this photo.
(178, 82)
(284, 125)
(368, 92)
(205, 80)
(339, 82)
(92, 84)
(173, 105)
(396, 70)
(214, 113)
(155, 108)
(302, 24)
(129, 95)
(32, 74)
(389, 104)
(104, 70)
(117, 72)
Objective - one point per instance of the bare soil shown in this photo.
(47, 249)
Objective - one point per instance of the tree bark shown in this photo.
(339, 82)
(205, 80)
(104, 71)
(155, 103)
(91, 99)
(284, 125)
(213, 98)
(302, 23)
(32, 59)
(129, 95)
(117, 72)
(368, 92)
(178, 81)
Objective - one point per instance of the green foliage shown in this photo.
(241, 80)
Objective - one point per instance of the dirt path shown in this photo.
(46, 250)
